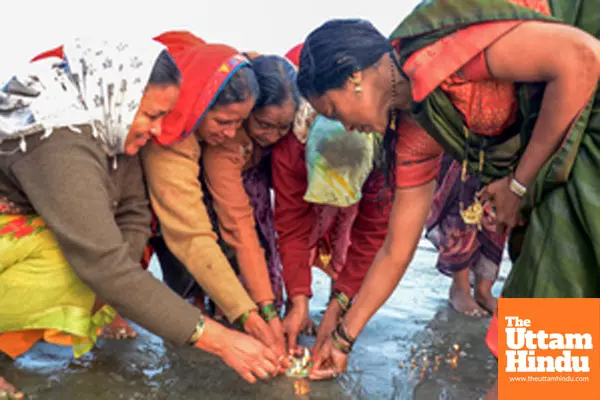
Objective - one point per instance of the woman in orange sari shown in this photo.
(453, 65)
(218, 92)
(237, 175)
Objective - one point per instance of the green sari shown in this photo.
(560, 256)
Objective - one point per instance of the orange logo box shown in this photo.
(549, 349)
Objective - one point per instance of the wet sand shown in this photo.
(415, 347)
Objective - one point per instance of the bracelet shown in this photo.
(339, 344)
(341, 331)
(268, 312)
(342, 298)
(198, 331)
(517, 187)
(242, 320)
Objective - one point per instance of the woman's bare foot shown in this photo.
(8, 391)
(461, 299)
(484, 297)
(119, 329)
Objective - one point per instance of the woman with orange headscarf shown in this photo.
(218, 92)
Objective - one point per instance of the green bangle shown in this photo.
(198, 331)
(342, 298)
(339, 344)
(341, 331)
(268, 312)
(242, 320)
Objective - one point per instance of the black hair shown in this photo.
(336, 50)
(277, 81)
(165, 71)
(331, 54)
(240, 87)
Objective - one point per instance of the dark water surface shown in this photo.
(415, 347)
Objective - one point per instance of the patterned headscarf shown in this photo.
(306, 114)
(97, 83)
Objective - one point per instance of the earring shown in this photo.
(358, 89)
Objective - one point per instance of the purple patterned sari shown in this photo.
(461, 245)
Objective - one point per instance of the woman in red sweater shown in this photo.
(354, 234)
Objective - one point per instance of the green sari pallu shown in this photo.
(560, 255)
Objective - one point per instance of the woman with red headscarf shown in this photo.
(309, 234)
(218, 92)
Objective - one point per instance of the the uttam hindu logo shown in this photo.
(548, 348)
(524, 345)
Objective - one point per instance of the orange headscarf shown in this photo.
(205, 69)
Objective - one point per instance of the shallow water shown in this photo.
(415, 347)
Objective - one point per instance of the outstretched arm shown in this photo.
(572, 77)
(408, 216)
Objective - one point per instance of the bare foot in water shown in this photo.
(484, 297)
(119, 329)
(8, 391)
(461, 299)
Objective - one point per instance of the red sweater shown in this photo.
(294, 221)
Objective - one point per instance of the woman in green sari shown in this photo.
(447, 78)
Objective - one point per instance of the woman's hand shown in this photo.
(294, 321)
(280, 345)
(328, 361)
(330, 320)
(260, 330)
(246, 355)
(506, 204)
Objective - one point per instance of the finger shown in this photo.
(284, 363)
(321, 374)
(486, 196)
(319, 360)
(292, 338)
(262, 373)
(270, 358)
(248, 376)
(271, 366)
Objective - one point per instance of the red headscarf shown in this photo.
(205, 69)
(294, 54)
(56, 52)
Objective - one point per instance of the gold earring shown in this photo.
(358, 89)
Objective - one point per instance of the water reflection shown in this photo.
(402, 354)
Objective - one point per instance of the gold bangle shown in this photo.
(198, 331)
